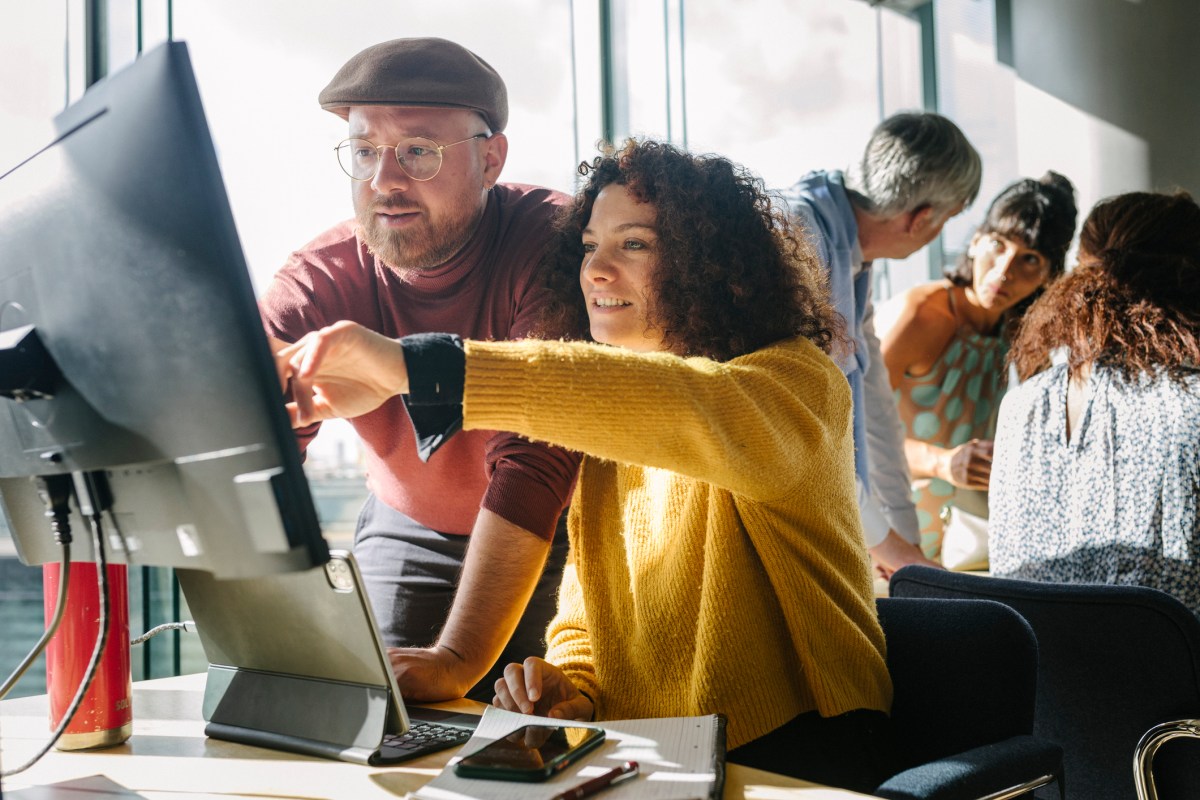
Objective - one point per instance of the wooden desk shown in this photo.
(170, 758)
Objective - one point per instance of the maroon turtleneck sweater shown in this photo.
(488, 291)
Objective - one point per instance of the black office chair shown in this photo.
(1114, 662)
(964, 675)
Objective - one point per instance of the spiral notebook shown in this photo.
(679, 758)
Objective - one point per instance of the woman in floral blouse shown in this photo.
(1097, 460)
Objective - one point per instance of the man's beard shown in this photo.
(421, 247)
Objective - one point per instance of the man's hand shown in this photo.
(429, 674)
(538, 687)
(968, 466)
(894, 552)
(344, 370)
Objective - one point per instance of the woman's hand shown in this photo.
(968, 466)
(538, 687)
(344, 370)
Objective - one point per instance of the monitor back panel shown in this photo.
(118, 246)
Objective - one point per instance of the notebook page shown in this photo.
(674, 754)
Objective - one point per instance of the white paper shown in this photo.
(674, 756)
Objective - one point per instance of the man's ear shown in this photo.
(919, 219)
(494, 156)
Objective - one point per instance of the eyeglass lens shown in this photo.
(419, 158)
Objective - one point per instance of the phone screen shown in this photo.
(533, 752)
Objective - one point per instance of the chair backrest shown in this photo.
(1113, 661)
(964, 674)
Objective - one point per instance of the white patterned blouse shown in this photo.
(1117, 503)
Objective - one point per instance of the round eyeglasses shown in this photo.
(420, 158)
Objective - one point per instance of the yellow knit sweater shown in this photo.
(716, 555)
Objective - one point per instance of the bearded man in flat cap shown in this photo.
(437, 244)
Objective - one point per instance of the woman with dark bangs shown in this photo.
(944, 343)
(717, 561)
(1097, 467)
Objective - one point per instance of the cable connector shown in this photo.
(55, 491)
(94, 492)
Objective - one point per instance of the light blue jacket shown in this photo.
(821, 207)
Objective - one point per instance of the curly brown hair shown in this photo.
(1131, 303)
(732, 276)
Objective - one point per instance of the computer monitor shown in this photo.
(131, 344)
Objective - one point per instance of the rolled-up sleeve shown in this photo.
(528, 482)
(891, 486)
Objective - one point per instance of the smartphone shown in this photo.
(531, 753)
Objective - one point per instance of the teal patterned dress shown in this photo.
(954, 402)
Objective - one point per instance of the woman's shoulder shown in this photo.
(1047, 380)
(926, 304)
(932, 301)
(1183, 390)
(1023, 397)
(793, 349)
(798, 363)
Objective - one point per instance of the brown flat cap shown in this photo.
(418, 72)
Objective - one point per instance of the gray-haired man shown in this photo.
(917, 171)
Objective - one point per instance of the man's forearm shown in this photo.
(501, 570)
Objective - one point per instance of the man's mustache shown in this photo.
(395, 203)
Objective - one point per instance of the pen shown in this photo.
(589, 787)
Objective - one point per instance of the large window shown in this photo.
(45, 57)
(976, 91)
(783, 86)
(46, 52)
(260, 67)
(780, 86)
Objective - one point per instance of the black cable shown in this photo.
(97, 652)
(115, 523)
(55, 491)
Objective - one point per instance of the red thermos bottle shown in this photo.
(105, 717)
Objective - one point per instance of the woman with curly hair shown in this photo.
(1097, 469)
(716, 560)
(944, 344)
